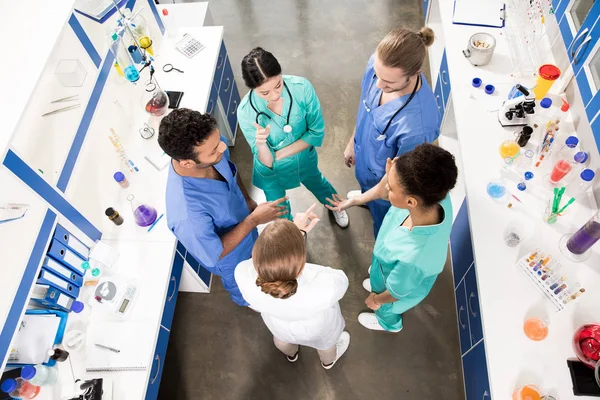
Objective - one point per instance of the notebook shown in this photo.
(133, 339)
(488, 13)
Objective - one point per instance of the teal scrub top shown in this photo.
(306, 120)
(407, 262)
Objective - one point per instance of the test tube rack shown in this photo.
(548, 277)
(116, 142)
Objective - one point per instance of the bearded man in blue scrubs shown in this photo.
(208, 207)
(397, 111)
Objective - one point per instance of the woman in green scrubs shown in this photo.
(282, 121)
(412, 245)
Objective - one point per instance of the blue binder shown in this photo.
(66, 238)
(66, 273)
(66, 256)
(51, 297)
(48, 278)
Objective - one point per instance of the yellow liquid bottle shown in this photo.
(146, 43)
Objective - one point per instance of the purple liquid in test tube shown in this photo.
(586, 237)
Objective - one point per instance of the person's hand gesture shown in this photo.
(262, 134)
(269, 211)
(339, 204)
(307, 220)
(388, 164)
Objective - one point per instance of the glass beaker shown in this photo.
(509, 149)
(576, 247)
(154, 100)
(560, 170)
(123, 58)
(143, 214)
(527, 392)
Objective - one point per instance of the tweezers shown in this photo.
(70, 98)
(61, 110)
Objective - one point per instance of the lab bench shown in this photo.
(62, 167)
(492, 296)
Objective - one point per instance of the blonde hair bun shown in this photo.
(278, 289)
(427, 35)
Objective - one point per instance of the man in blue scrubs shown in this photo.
(208, 207)
(397, 111)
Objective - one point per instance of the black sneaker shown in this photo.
(294, 358)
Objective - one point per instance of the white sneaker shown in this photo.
(341, 346)
(353, 193)
(369, 321)
(369, 270)
(341, 218)
(367, 285)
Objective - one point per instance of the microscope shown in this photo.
(515, 112)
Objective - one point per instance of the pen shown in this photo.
(107, 348)
(155, 222)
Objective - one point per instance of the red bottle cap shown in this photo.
(549, 72)
(165, 11)
(565, 106)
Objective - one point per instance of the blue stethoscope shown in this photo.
(287, 128)
(368, 109)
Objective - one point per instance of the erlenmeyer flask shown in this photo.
(154, 100)
(144, 214)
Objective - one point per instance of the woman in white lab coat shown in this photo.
(298, 301)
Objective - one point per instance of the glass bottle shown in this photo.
(40, 375)
(139, 28)
(114, 216)
(144, 214)
(58, 355)
(582, 240)
(154, 100)
(19, 388)
(582, 184)
(123, 58)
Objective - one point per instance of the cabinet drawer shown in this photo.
(234, 101)
(173, 289)
(460, 244)
(463, 318)
(473, 306)
(445, 79)
(439, 99)
(477, 385)
(158, 363)
(596, 130)
(220, 66)
(211, 106)
(227, 83)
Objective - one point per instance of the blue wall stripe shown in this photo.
(31, 178)
(158, 20)
(29, 276)
(85, 40)
(90, 109)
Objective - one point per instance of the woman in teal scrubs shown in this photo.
(411, 248)
(282, 121)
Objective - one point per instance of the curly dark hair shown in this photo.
(182, 130)
(258, 66)
(428, 172)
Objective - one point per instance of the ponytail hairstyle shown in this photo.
(258, 66)
(279, 255)
(405, 49)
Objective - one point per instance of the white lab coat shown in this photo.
(311, 317)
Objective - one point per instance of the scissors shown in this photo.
(170, 67)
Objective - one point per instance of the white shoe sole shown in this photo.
(366, 284)
(341, 347)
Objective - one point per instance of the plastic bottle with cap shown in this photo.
(19, 388)
(582, 184)
(81, 309)
(119, 177)
(40, 375)
(567, 150)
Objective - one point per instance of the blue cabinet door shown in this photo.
(576, 29)
(445, 79)
(477, 385)
(461, 246)
(169, 309)
(211, 106)
(473, 306)
(158, 363)
(234, 101)
(227, 83)
(463, 318)
(220, 66)
(439, 99)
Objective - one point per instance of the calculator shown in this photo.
(189, 46)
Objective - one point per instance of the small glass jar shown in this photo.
(119, 177)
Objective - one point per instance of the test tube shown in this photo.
(560, 288)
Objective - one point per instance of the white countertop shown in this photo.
(506, 295)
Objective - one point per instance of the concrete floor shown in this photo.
(218, 350)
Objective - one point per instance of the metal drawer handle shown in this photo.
(485, 394)
(219, 65)
(442, 77)
(157, 358)
(211, 106)
(473, 313)
(583, 32)
(587, 39)
(438, 103)
(228, 85)
(460, 310)
(174, 288)
(234, 107)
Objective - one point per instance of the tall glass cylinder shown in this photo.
(139, 28)
(123, 58)
(578, 245)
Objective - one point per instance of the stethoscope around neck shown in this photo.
(368, 109)
(287, 128)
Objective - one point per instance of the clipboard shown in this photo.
(488, 13)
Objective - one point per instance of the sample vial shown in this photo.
(114, 216)
(58, 355)
(121, 180)
(40, 375)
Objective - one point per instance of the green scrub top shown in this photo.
(306, 120)
(407, 262)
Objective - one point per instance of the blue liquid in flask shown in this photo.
(131, 73)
